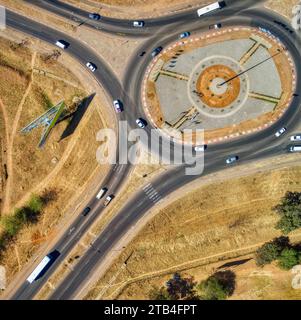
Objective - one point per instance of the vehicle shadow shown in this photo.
(76, 116)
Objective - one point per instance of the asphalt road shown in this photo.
(125, 27)
(250, 148)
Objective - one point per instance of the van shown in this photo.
(62, 44)
(101, 193)
(295, 149)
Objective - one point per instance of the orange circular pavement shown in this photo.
(213, 89)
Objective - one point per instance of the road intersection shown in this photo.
(158, 32)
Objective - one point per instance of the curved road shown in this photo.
(249, 148)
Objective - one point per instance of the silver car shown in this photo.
(280, 132)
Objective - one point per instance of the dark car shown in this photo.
(86, 211)
(94, 16)
(142, 54)
(156, 51)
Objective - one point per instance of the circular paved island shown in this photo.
(232, 82)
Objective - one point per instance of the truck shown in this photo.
(43, 266)
(211, 7)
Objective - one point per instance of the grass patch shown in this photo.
(12, 224)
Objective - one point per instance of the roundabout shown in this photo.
(249, 148)
(229, 83)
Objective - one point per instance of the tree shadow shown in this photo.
(234, 263)
(48, 196)
(76, 116)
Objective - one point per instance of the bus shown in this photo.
(43, 266)
(211, 7)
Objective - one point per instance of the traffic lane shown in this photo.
(83, 54)
(107, 25)
(59, 7)
(130, 215)
(70, 238)
(125, 27)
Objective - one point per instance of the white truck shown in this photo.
(211, 7)
(38, 270)
(43, 266)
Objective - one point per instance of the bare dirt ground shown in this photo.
(65, 166)
(217, 222)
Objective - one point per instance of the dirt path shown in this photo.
(9, 153)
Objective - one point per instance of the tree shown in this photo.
(288, 258)
(290, 212)
(179, 288)
(270, 251)
(212, 289)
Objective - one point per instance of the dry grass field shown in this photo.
(28, 87)
(216, 223)
(283, 7)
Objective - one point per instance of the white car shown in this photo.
(117, 105)
(141, 123)
(296, 138)
(280, 132)
(231, 159)
(200, 148)
(138, 24)
(91, 66)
